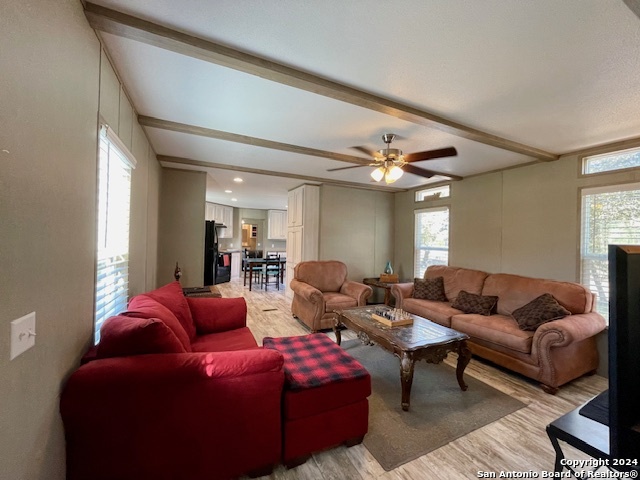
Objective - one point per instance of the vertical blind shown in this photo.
(431, 239)
(114, 193)
(610, 215)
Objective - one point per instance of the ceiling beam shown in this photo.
(634, 5)
(123, 25)
(247, 140)
(259, 142)
(224, 166)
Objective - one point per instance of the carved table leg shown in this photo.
(464, 356)
(406, 376)
(336, 331)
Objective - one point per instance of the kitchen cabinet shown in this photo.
(236, 263)
(295, 206)
(277, 225)
(303, 230)
(221, 214)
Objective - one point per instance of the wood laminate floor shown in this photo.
(515, 443)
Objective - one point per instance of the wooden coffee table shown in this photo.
(424, 340)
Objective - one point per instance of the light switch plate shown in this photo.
(23, 334)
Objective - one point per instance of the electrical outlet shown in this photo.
(23, 334)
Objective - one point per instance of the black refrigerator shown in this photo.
(217, 265)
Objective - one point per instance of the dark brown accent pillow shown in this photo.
(540, 310)
(429, 289)
(472, 303)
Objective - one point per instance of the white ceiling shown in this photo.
(554, 75)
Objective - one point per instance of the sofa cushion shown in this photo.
(429, 289)
(211, 315)
(495, 329)
(540, 310)
(514, 291)
(326, 276)
(142, 306)
(456, 279)
(336, 301)
(439, 312)
(472, 303)
(123, 336)
(238, 339)
(171, 296)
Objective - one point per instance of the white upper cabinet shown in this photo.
(295, 207)
(277, 225)
(221, 214)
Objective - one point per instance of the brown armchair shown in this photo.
(320, 287)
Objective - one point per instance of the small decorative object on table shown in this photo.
(177, 273)
(388, 269)
(389, 277)
(392, 317)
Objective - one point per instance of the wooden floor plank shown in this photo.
(517, 442)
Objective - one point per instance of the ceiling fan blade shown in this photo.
(366, 151)
(430, 154)
(428, 173)
(346, 168)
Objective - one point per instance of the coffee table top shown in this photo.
(421, 334)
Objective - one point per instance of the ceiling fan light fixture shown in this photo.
(393, 174)
(378, 173)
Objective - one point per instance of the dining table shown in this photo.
(248, 264)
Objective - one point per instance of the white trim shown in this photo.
(108, 132)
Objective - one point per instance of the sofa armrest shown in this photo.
(359, 291)
(190, 415)
(212, 315)
(400, 291)
(570, 329)
(306, 291)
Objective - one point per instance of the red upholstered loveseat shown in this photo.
(178, 389)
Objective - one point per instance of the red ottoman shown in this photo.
(325, 396)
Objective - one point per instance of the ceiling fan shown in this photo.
(390, 162)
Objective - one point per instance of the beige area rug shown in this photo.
(440, 412)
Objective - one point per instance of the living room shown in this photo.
(58, 85)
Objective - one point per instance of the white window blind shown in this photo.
(114, 193)
(431, 246)
(610, 215)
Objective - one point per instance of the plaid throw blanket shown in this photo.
(314, 360)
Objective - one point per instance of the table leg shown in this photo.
(387, 296)
(464, 356)
(336, 331)
(557, 468)
(407, 364)
(250, 277)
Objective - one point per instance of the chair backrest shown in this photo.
(326, 276)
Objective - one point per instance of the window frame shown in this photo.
(416, 248)
(434, 196)
(605, 152)
(610, 187)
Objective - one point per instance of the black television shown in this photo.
(624, 351)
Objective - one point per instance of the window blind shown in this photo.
(610, 215)
(114, 198)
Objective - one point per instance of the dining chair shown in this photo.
(270, 269)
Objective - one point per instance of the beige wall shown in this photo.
(51, 93)
(361, 235)
(181, 226)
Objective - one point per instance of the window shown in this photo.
(610, 215)
(432, 239)
(611, 161)
(436, 192)
(114, 192)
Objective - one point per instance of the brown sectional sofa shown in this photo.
(554, 354)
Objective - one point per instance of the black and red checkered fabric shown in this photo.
(314, 360)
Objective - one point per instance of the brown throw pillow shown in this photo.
(429, 289)
(472, 303)
(540, 310)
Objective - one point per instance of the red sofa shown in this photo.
(178, 389)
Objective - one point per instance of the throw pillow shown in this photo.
(429, 289)
(124, 336)
(472, 303)
(540, 310)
